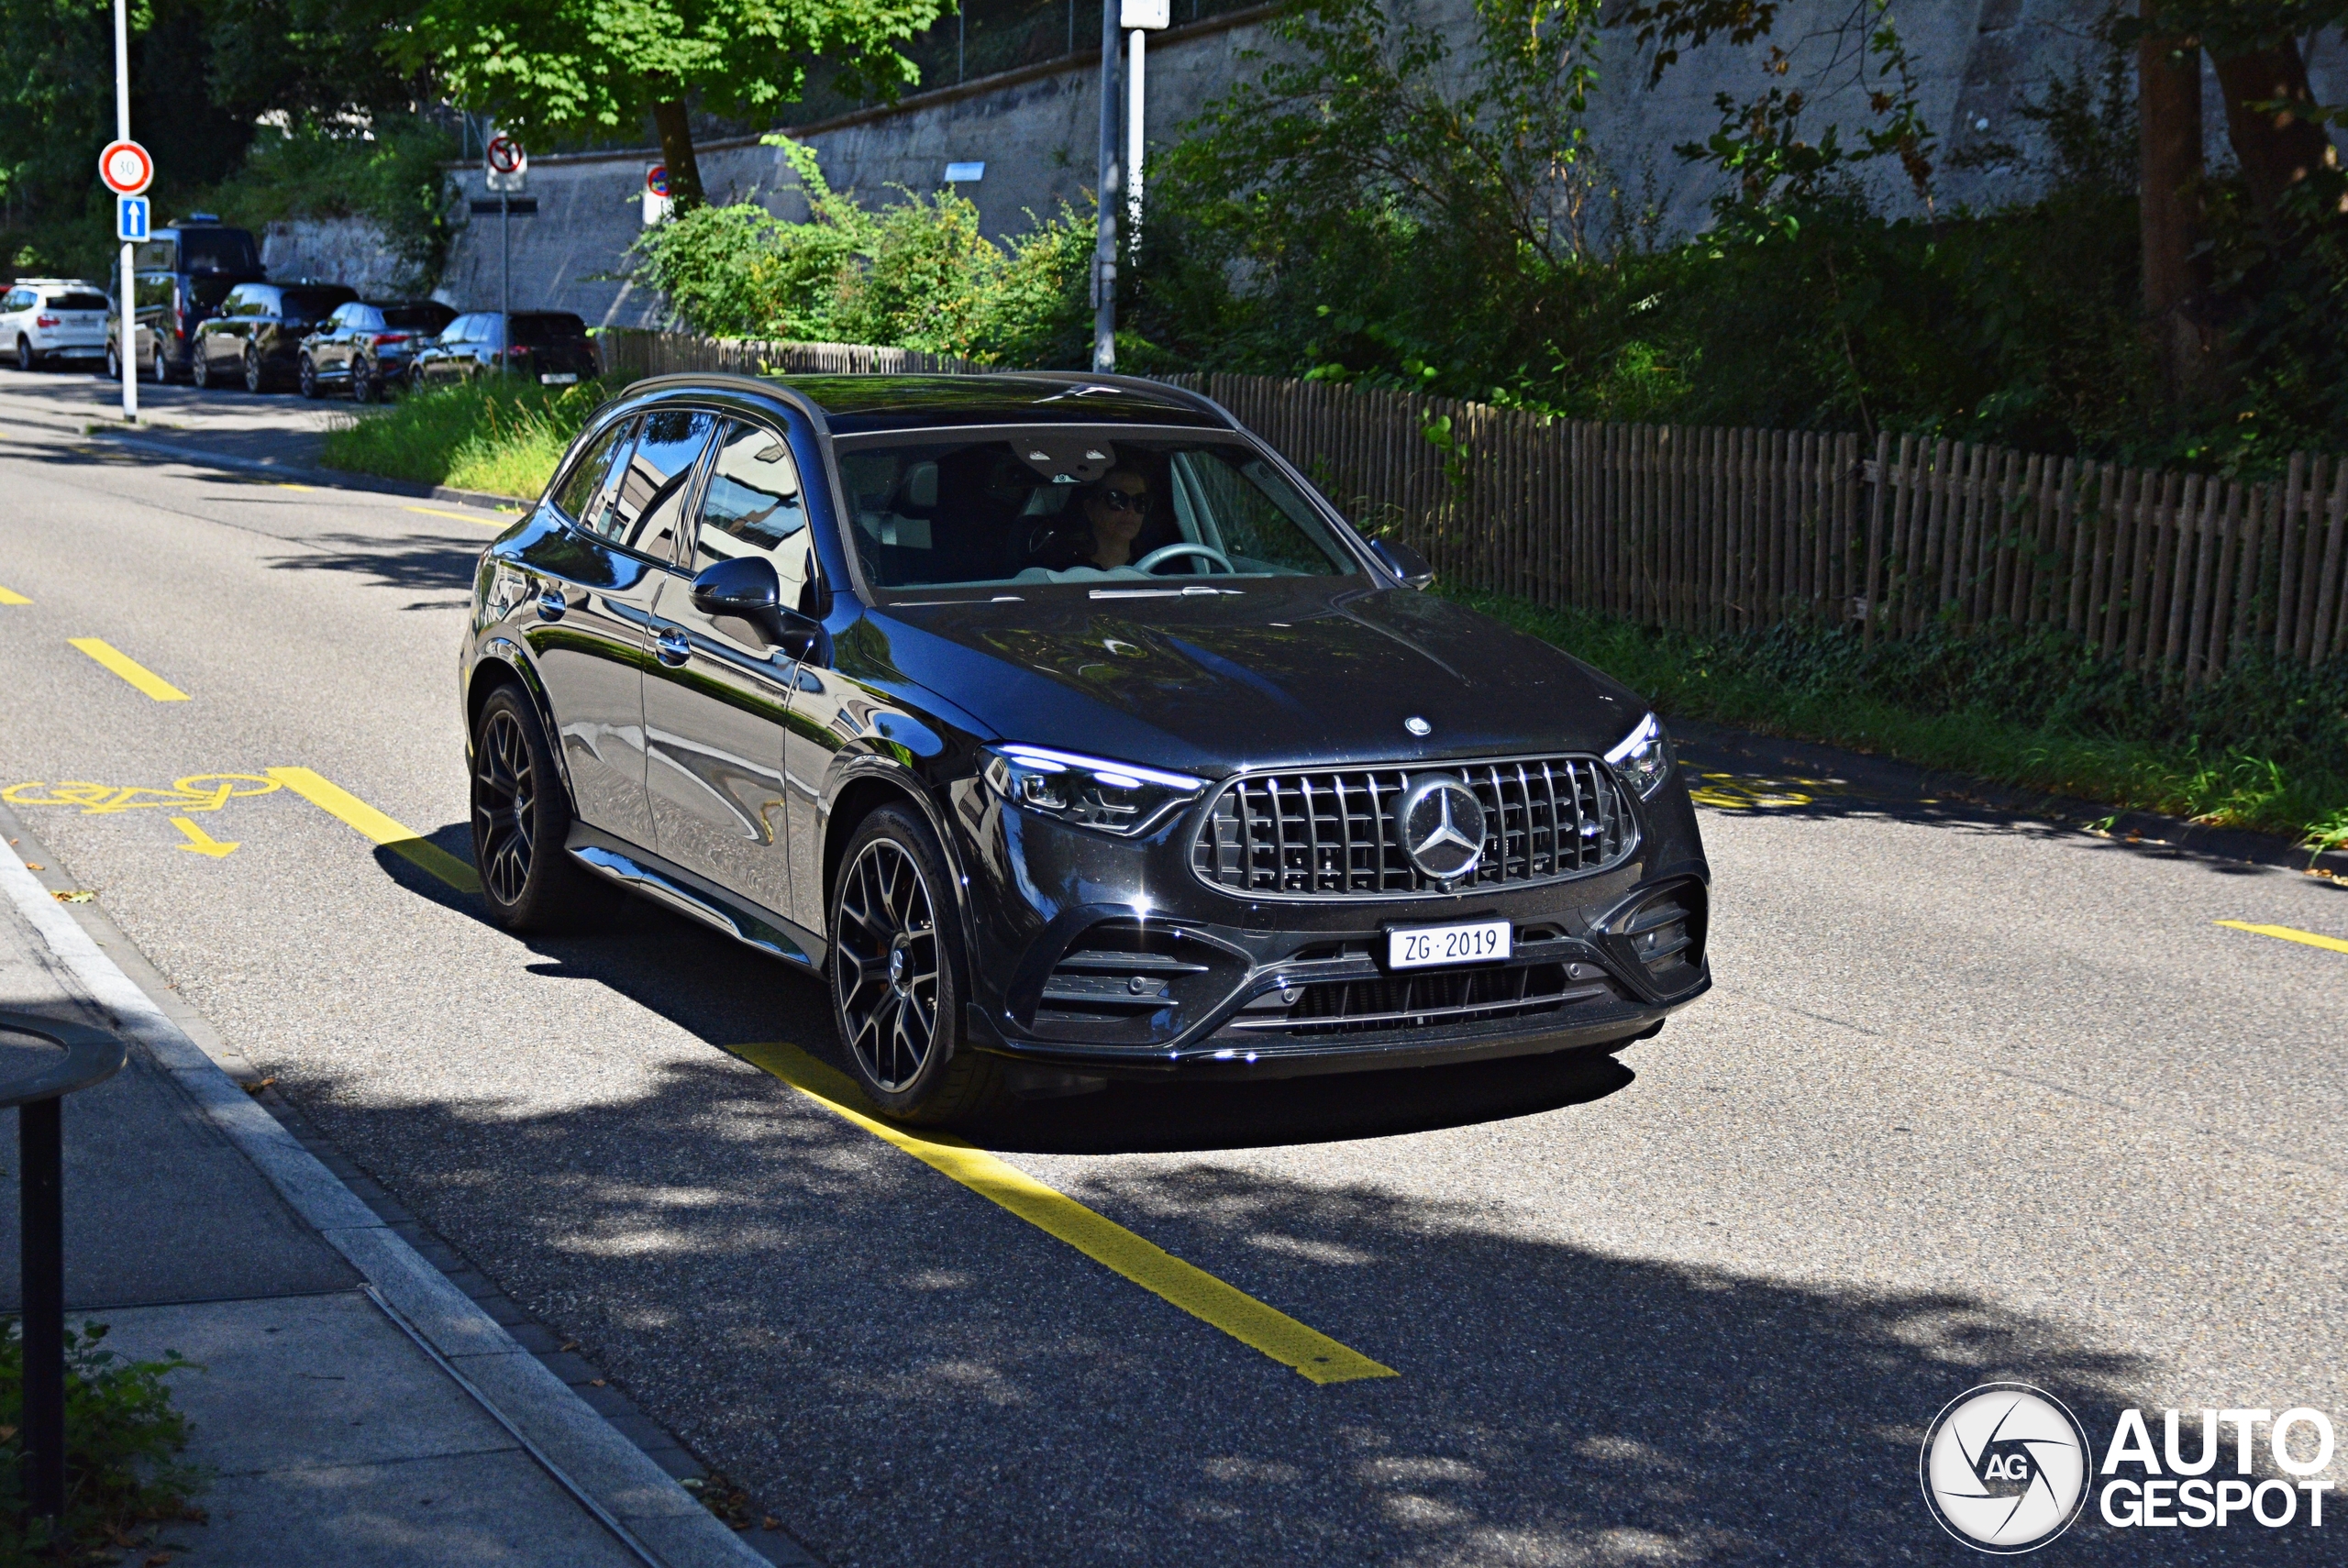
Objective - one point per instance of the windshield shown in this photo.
(1061, 505)
(431, 318)
(218, 250)
(312, 304)
(205, 293)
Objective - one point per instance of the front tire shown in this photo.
(309, 379)
(364, 387)
(521, 818)
(199, 368)
(897, 974)
(160, 367)
(255, 378)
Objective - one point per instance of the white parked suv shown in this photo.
(46, 320)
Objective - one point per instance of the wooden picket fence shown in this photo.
(2174, 575)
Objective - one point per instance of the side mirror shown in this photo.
(1403, 562)
(748, 589)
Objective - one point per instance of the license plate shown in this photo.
(1424, 947)
(561, 378)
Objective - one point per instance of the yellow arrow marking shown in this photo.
(10, 596)
(2287, 934)
(202, 842)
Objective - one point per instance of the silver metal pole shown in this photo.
(1134, 43)
(1104, 247)
(126, 326)
(505, 281)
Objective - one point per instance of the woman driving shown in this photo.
(1115, 506)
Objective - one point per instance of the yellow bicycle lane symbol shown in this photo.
(197, 792)
(1746, 791)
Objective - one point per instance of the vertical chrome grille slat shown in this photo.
(1329, 833)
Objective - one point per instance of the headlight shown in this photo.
(1643, 758)
(1089, 791)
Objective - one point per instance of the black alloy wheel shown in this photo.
(896, 967)
(309, 376)
(521, 817)
(27, 360)
(364, 387)
(199, 368)
(256, 378)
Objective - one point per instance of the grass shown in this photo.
(2263, 748)
(503, 438)
(123, 1439)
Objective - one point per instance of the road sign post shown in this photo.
(1140, 19)
(1104, 236)
(128, 171)
(504, 166)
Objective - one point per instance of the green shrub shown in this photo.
(2265, 745)
(393, 177)
(122, 1444)
(915, 274)
(500, 436)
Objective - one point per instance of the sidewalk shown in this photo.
(356, 1407)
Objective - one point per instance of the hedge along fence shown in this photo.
(2174, 575)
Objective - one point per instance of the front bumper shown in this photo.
(1110, 957)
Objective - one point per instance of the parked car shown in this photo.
(1066, 732)
(367, 345)
(257, 335)
(183, 273)
(551, 345)
(45, 321)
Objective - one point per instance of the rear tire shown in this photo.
(521, 817)
(898, 975)
(114, 364)
(27, 360)
(159, 366)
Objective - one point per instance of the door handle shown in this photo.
(672, 648)
(552, 605)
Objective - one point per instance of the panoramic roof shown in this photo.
(856, 404)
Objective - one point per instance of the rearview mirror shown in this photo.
(1403, 562)
(748, 589)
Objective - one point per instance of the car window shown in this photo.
(646, 507)
(18, 299)
(429, 317)
(159, 256)
(209, 293)
(753, 505)
(80, 301)
(461, 330)
(309, 304)
(583, 486)
(218, 250)
(1065, 505)
(539, 331)
(254, 301)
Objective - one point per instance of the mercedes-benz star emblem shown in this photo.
(1417, 725)
(1441, 824)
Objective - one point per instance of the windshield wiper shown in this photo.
(1161, 592)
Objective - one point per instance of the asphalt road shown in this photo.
(1972, 1098)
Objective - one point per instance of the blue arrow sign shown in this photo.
(131, 218)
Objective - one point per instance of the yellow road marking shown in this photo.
(463, 516)
(405, 842)
(2287, 934)
(202, 842)
(10, 596)
(289, 484)
(1191, 1288)
(197, 792)
(130, 669)
(1744, 791)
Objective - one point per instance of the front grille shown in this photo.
(1329, 833)
(1421, 1002)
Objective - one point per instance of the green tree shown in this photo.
(583, 67)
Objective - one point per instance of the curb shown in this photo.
(640, 1503)
(334, 479)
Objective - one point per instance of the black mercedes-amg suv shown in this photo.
(1067, 732)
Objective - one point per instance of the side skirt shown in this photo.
(642, 872)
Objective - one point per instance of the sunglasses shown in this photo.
(1125, 501)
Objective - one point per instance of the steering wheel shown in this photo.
(1168, 552)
